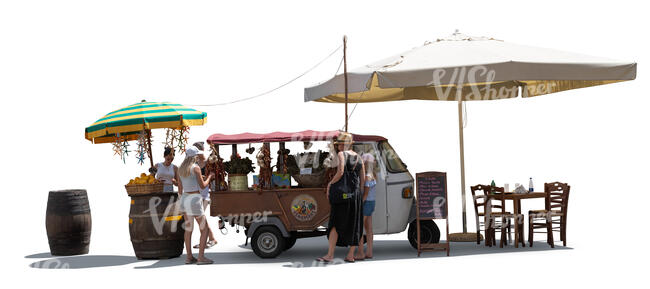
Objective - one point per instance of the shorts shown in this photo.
(205, 192)
(192, 204)
(368, 208)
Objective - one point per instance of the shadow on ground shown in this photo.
(80, 262)
(302, 255)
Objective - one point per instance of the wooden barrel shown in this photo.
(156, 226)
(68, 222)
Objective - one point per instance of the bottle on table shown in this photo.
(492, 185)
(530, 185)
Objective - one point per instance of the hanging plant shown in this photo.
(239, 166)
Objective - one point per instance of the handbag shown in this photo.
(345, 189)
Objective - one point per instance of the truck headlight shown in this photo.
(407, 192)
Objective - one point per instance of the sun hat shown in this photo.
(344, 138)
(192, 151)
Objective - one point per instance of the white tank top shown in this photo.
(165, 173)
(189, 183)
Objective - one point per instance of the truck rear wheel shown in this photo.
(267, 242)
(429, 233)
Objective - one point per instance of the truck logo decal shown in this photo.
(303, 207)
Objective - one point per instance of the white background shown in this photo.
(64, 64)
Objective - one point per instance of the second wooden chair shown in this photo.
(554, 213)
(497, 217)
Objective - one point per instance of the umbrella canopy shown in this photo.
(131, 120)
(486, 68)
(461, 68)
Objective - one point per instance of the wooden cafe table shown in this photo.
(516, 201)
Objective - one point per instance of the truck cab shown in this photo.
(394, 190)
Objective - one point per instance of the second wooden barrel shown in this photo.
(68, 222)
(156, 226)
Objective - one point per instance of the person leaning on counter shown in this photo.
(166, 171)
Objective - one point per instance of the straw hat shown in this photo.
(344, 138)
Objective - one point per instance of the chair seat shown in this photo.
(500, 213)
(540, 212)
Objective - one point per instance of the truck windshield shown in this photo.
(366, 148)
(393, 163)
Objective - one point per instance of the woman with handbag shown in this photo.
(344, 194)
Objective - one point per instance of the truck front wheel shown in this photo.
(267, 242)
(429, 233)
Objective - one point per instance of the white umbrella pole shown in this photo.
(462, 158)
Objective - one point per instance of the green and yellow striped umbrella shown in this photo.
(128, 122)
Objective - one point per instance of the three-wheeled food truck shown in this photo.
(276, 213)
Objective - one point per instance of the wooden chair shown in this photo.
(496, 217)
(479, 209)
(479, 197)
(555, 212)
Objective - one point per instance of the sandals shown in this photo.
(205, 262)
(346, 260)
(190, 261)
(323, 260)
(208, 245)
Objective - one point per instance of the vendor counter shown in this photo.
(297, 208)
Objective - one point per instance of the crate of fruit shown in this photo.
(144, 184)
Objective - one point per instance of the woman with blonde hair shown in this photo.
(205, 194)
(344, 193)
(192, 203)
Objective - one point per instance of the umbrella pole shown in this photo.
(149, 145)
(345, 77)
(462, 157)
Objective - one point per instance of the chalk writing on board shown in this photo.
(431, 195)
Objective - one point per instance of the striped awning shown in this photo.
(129, 121)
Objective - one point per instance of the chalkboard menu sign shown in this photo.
(431, 195)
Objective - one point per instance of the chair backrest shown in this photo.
(557, 196)
(496, 200)
(479, 193)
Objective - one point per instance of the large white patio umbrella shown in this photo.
(462, 68)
